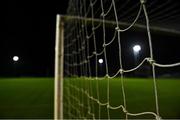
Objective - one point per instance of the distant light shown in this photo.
(100, 61)
(15, 58)
(137, 48)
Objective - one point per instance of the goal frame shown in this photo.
(59, 52)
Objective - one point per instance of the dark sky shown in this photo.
(30, 34)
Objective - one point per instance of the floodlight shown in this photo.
(15, 58)
(137, 48)
(100, 61)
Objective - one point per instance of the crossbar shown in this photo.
(110, 23)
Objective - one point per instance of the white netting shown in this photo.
(88, 36)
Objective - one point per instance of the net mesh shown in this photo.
(88, 90)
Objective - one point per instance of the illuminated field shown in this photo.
(33, 97)
(26, 98)
(139, 96)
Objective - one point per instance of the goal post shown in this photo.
(59, 66)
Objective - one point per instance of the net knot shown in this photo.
(91, 4)
(87, 37)
(108, 106)
(85, 61)
(107, 76)
(83, 48)
(102, 14)
(158, 118)
(151, 61)
(124, 110)
(104, 45)
(82, 26)
(143, 1)
(121, 71)
(94, 52)
(93, 28)
(117, 28)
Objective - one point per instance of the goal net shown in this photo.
(93, 64)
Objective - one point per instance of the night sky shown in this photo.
(30, 34)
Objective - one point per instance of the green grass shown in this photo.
(33, 97)
(26, 98)
(139, 96)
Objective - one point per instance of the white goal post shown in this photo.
(59, 63)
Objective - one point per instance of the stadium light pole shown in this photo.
(136, 50)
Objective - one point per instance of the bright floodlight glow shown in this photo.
(137, 48)
(100, 61)
(15, 58)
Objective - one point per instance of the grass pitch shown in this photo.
(139, 97)
(26, 98)
(33, 97)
